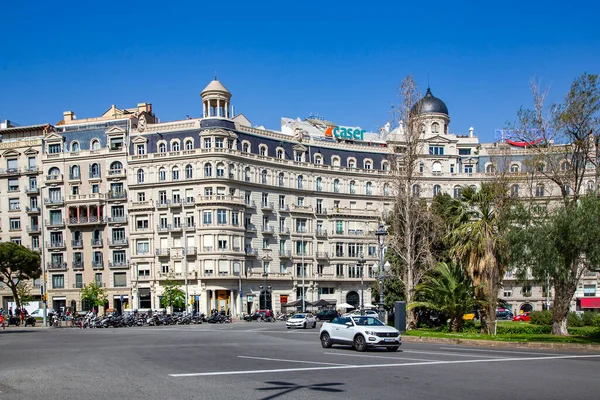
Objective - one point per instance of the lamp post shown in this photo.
(381, 233)
(382, 273)
(303, 273)
(361, 264)
(42, 259)
(265, 289)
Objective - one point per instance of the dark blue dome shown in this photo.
(429, 104)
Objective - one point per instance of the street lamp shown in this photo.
(381, 233)
(265, 288)
(361, 262)
(43, 260)
(382, 273)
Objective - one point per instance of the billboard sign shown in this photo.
(345, 132)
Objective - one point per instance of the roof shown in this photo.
(215, 86)
(429, 104)
(29, 128)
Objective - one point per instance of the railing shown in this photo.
(321, 232)
(77, 265)
(56, 265)
(56, 244)
(321, 211)
(54, 201)
(118, 264)
(268, 229)
(78, 285)
(267, 205)
(55, 222)
(117, 194)
(176, 228)
(97, 265)
(77, 243)
(96, 242)
(163, 228)
(31, 169)
(117, 220)
(32, 209)
(285, 253)
(32, 190)
(116, 172)
(74, 177)
(176, 203)
(189, 201)
(190, 251)
(163, 203)
(320, 254)
(85, 220)
(33, 228)
(301, 230)
(220, 198)
(95, 175)
(118, 242)
(250, 203)
(189, 227)
(285, 231)
(251, 228)
(251, 252)
(298, 208)
(140, 204)
(162, 252)
(284, 207)
(55, 178)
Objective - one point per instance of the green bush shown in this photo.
(574, 320)
(596, 321)
(588, 318)
(523, 329)
(541, 317)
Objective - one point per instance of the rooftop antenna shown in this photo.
(428, 85)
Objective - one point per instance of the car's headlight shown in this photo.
(370, 333)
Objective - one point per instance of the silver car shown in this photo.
(301, 320)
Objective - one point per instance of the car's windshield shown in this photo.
(299, 316)
(367, 321)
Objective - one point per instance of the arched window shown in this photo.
(421, 168)
(416, 190)
(247, 174)
(319, 184)
(514, 190)
(263, 151)
(207, 170)
(189, 145)
(368, 164)
(568, 190)
(490, 169)
(246, 147)
(162, 174)
(564, 166)
(435, 128)
(352, 187)
(351, 163)
(335, 161)
(336, 186)
(54, 171)
(422, 128)
(318, 159)
(162, 147)
(77, 236)
(189, 171)
(436, 167)
(175, 173)
(115, 168)
(539, 190)
(95, 170)
(514, 168)
(75, 146)
(263, 176)
(75, 172)
(175, 146)
(95, 144)
(281, 179)
(437, 189)
(140, 176)
(280, 154)
(300, 181)
(457, 192)
(589, 187)
(385, 166)
(220, 170)
(369, 188)
(474, 188)
(386, 190)
(540, 167)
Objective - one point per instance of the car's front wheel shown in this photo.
(325, 340)
(359, 343)
(392, 349)
(314, 324)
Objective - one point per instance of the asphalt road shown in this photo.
(266, 361)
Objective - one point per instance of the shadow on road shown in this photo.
(289, 387)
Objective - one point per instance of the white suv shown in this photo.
(360, 332)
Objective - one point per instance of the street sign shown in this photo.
(249, 299)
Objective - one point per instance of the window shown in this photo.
(220, 170)
(175, 173)
(140, 149)
(221, 217)
(263, 151)
(437, 189)
(319, 184)
(175, 146)
(351, 163)
(436, 150)
(222, 244)
(94, 170)
(421, 168)
(369, 188)
(514, 168)
(141, 196)
(207, 170)
(339, 227)
(464, 152)
(280, 179)
(335, 161)
(435, 127)
(141, 223)
(53, 148)
(589, 290)
(422, 128)
(75, 147)
(13, 185)
(386, 189)
(95, 144)
(318, 159)
(300, 201)
(300, 181)
(457, 192)
(514, 190)
(490, 169)
(281, 201)
(468, 169)
(162, 147)
(14, 204)
(336, 186)
(115, 168)
(385, 166)
(526, 290)
(451, 168)
(207, 217)
(352, 187)
(246, 147)
(299, 156)
(188, 171)
(98, 278)
(140, 176)
(539, 191)
(143, 247)
(436, 167)
(15, 224)
(189, 145)
(219, 143)
(416, 190)
(120, 279)
(280, 154)
(58, 281)
(368, 164)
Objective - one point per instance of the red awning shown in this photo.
(590, 302)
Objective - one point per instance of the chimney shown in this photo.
(68, 116)
(147, 107)
(471, 132)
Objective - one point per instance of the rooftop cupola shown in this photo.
(215, 100)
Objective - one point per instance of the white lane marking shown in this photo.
(447, 354)
(415, 364)
(524, 352)
(290, 361)
(369, 356)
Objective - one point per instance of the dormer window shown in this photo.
(368, 164)
(75, 147)
(280, 154)
(436, 150)
(140, 149)
(162, 147)
(435, 128)
(335, 161)
(299, 156)
(189, 144)
(116, 143)
(263, 151)
(219, 143)
(514, 168)
(351, 163)
(54, 148)
(246, 147)
(207, 143)
(175, 146)
(318, 159)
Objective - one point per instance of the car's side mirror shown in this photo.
(349, 324)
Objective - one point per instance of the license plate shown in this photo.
(389, 340)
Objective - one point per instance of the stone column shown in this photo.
(226, 109)
(218, 108)
(231, 303)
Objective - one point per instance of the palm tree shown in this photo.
(447, 290)
(477, 239)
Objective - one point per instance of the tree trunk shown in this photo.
(13, 288)
(560, 311)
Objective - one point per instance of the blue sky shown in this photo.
(290, 59)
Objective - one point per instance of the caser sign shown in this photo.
(345, 132)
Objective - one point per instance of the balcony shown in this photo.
(75, 177)
(94, 220)
(56, 244)
(301, 230)
(32, 190)
(267, 206)
(31, 170)
(118, 220)
(302, 209)
(32, 210)
(140, 205)
(221, 199)
(118, 265)
(189, 201)
(208, 249)
(95, 175)
(190, 251)
(365, 212)
(321, 211)
(284, 231)
(55, 223)
(54, 201)
(116, 173)
(189, 227)
(163, 228)
(321, 232)
(116, 195)
(162, 252)
(77, 265)
(250, 203)
(54, 179)
(118, 242)
(268, 230)
(96, 242)
(33, 229)
(77, 243)
(176, 203)
(163, 203)
(78, 285)
(284, 208)
(250, 228)
(322, 255)
(356, 232)
(56, 266)
(285, 254)
(251, 252)
(175, 228)
(96, 265)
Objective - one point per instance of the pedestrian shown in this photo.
(2, 318)
(10, 313)
(22, 315)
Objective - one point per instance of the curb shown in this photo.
(493, 343)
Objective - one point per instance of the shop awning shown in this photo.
(590, 302)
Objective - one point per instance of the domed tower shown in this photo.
(215, 100)
(432, 114)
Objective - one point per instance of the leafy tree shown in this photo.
(447, 290)
(557, 245)
(18, 264)
(393, 290)
(478, 239)
(173, 296)
(93, 294)
(24, 293)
